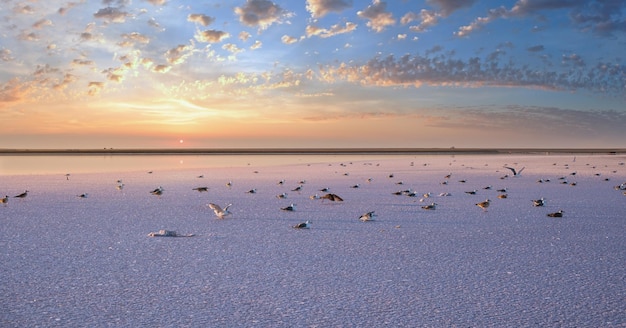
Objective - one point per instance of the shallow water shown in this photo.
(89, 262)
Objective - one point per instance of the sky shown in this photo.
(312, 73)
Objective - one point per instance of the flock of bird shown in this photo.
(223, 212)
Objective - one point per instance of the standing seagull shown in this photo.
(201, 189)
(219, 212)
(484, 205)
(515, 173)
(539, 202)
(158, 191)
(22, 195)
(5, 200)
(303, 225)
(290, 208)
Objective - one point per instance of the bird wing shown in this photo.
(216, 208)
(336, 198)
(512, 170)
(522, 169)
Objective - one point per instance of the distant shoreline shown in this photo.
(315, 151)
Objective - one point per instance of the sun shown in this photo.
(181, 141)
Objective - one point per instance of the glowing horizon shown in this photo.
(334, 73)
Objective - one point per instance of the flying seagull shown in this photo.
(219, 212)
(515, 173)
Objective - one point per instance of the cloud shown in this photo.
(479, 22)
(445, 70)
(376, 15)
(256, 45)
(319, 8)
(336, 29)
(286, 39)
(601, 17)
(202, 19)
(136, 37)
(42, 23)
(211, 36)
(111, 15)
(5, 55)
(156, 2)
(261, 13)
(179, 54)
(94, 88)
(427, 19)
(447, 7)
(244, 36)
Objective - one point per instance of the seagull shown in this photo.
(201, 189)
(229, 184)
(332, 198)
(251, 191)
(432, 206)
(484, 204)
(168, 233)
(515, 173)
(219, 212)
(539, 202)
(291, 207)
(473, 192)
(326, 189)
(22, 195)
(5, 200)
(281, 196)
(85, 195)
(369, 216)
(316, 196)
(558, 214)
(158, 191)
(303, 225)
(298, 188)
(119, 186)
(502, 196)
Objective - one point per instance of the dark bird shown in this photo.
(158, 191)
(22, 195)
(558, 214)
(432, 206)
(515, 172)
(473, 192)
(201, 189)
(303, 225)
(332, 198)
(290, 208)
(85, 195)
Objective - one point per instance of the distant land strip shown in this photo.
(304, 151)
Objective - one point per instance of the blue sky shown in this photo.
(316, 73)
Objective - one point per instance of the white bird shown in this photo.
(539, 202)
(219, 212)
(316, 196)
(303, 225)
(515, 173)
(369, 216)
(281, 195)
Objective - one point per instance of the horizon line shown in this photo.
(313, 150)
